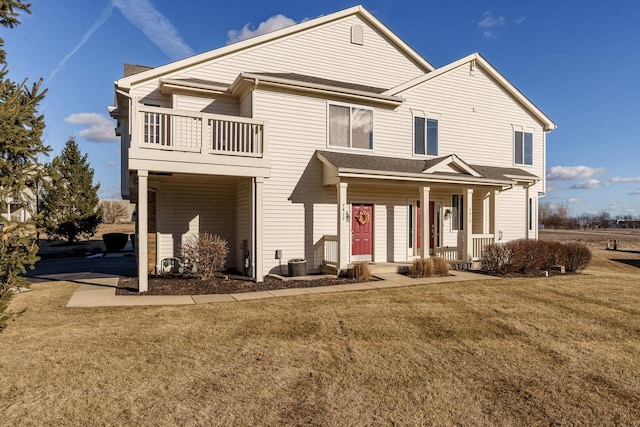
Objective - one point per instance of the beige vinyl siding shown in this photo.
(190, 205)
(324, 51)
(245, 104)
(513, 209)
(242, 220)
(476, 119)
(214, 105)
(295, 203)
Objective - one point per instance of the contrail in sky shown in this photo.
(144, 16)
(106, 13)
(158, 29)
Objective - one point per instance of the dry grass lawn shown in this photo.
(545, 351)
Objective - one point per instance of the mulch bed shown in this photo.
(174, 284)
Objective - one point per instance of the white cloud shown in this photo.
(589, 184)
(106, 13)
(274, 23)
(110, 193)
(617, 179)
(111, 164)
(635, 192)
(97, 127)
(158, 29)
(574, 200)
(488, 22)
(521, 20)
(569, 173)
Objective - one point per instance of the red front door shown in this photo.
(432, 216)
(362, 231)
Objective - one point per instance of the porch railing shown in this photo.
(330, 249)
(191, 131)
(479, 241)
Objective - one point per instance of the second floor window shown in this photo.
(425, 136)
(523, 148)
(350, 127)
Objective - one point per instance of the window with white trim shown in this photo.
(457, 212)
(425, 136)
(523, 148)
(350, 127)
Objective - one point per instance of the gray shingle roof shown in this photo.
(326, 82)
(413, 166)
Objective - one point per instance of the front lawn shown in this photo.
(558, 350)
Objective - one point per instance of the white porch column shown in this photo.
(468, 225)
(344, 216)
(493, 209)
(425, 235)
(143, 229)
(257, 212)
(527, 211)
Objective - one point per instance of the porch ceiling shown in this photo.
(347, 165)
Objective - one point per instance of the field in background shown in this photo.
(539, 351)
(627, 239)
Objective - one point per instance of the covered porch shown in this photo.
(458, 205)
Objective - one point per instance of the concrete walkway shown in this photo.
(101, 292)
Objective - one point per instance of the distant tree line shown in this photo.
(558, 216)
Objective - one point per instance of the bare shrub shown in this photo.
(527, 255)
(496, 258)
(207, 252)
(422, 267)
(361, 271)
(114, 211)
(577, 257)
(555, 254)
(440, 266)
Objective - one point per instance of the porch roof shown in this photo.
(348, 165)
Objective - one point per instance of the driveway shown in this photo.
(74, 269)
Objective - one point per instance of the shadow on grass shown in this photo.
(632, 262)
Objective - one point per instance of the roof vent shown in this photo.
(357, 35)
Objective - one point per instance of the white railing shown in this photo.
(479, 241)
(190, 131)
(448, 253)
(330, 245)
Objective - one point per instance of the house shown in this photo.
(332, 141)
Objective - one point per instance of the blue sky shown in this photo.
(576, 60)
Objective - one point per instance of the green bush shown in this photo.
(115, 242)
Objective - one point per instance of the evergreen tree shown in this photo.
(21, 130)
(70, 202)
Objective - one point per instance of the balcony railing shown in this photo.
(189, 131)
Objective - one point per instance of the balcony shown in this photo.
(168, 140)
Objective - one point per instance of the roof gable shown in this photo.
(450, 164)
(476, 60)
(361, 12)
